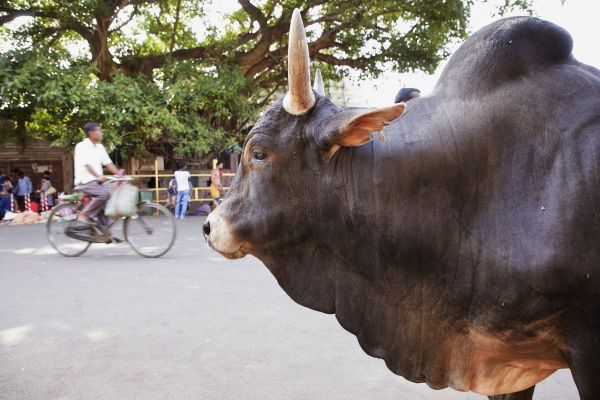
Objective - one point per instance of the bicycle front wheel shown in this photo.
(151, 233)
(62, 217)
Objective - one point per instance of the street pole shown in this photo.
(156, 179)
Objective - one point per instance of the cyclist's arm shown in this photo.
(92, 171)
(107, 162)
(112, 168)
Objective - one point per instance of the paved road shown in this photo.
(111, 325)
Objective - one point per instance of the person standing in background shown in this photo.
(24, 188)
(182, 177)
(47, 190)
(406, 94)
(215, 182)
(5, 193)
(14, 180)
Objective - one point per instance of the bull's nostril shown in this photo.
(206, 229)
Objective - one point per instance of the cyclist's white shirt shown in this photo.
(86, 152)
(182, 180)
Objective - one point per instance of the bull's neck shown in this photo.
(397, 206)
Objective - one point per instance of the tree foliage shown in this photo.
(199, 111)
(177, 75)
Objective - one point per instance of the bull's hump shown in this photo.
(504, 51)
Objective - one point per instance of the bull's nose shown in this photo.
(206, 229)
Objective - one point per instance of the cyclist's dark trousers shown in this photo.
(99, 195)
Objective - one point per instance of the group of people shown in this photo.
(180, 189)
(20, 187)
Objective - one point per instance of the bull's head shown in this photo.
(287, 187)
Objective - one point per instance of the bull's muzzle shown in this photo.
(219, 235)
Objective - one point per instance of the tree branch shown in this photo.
(174, 31)
(146, 64)
(13, 14)
(133, 14)
(359, 62)
(268, 96)
(247, 59)
(68, 22)
(255, 13)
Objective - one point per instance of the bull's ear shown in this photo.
(353, 127)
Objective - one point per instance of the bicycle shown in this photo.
(150, 233)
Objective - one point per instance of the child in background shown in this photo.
(171, 193)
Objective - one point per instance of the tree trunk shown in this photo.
(21, 131)
(100, 50)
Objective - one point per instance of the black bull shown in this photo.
(464, 249)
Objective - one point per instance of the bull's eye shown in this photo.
(259, 155)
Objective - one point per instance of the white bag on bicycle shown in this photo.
(122, 202)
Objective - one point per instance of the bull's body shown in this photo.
(464, 249)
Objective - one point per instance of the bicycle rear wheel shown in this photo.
(63, 216)
(151, 233)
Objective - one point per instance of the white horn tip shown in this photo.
(319, 86)
(296, 23)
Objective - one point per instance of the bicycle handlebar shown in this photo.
(120, 178)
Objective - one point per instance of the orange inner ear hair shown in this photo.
(358, 130)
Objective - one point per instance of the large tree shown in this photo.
(163, 53)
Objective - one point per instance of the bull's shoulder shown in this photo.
(503, 51)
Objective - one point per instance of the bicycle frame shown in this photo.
(114, 220)
(80, 199)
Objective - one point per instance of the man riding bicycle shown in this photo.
(149, 228)
(90, 157)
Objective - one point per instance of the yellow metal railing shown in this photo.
(197, 192)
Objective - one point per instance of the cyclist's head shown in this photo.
(93, 131)
(183, 166)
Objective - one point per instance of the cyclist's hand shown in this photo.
(121, 172)
(103, 179)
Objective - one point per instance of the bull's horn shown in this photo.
(319, 87)
(300, 97)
